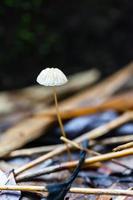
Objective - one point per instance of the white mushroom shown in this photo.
(54, 77)
(51, 77)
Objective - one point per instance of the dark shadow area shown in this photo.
(71, 35)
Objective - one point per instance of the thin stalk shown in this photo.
(60, 121)
(78, 146)
(124, 146)
(114, 140)
(33, 151)
(51, 169)
(96, 191)
(104, 129)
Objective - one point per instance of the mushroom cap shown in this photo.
(51, 77)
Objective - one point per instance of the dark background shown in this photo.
(71, 35)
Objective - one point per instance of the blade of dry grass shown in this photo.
(96, 191)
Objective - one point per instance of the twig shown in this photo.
(74, 144)
(114, 140)
(96, 191)
(121, 103)
(102, 130)
(124, 146)
(33, 151)
(50, 169)
(106, 197)
(108, 87)
(122, 197)
(77, 146)
(72, 164)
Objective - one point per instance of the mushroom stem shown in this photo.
(60, 121)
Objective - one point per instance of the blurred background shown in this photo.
(71, 35)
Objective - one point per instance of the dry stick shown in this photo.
(108, 87)
(124, 146)
(78, 146)
(121, 103)
(60, 121)
(32, 128)
(91, 151)
(122, 197)
(46, 149)
(51, 169)
(114, 140)
(102, 130)
(72, 164)
(96, 191)
(106, 197)
(33, 151)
